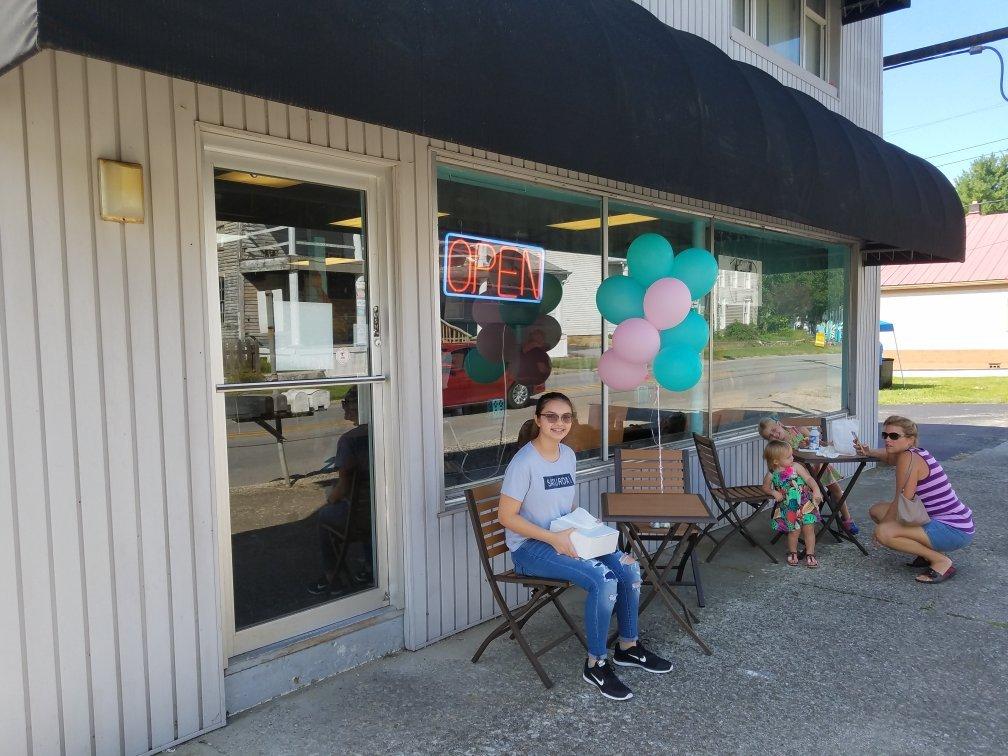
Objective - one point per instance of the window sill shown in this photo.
(768, 53)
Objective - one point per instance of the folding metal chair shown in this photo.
(484, 503)
(728, 499)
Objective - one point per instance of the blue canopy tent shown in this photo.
(887, 327)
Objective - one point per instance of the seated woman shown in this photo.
(919, 473)
(796, 435)
(539, 487)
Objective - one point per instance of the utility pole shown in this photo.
(942, 49)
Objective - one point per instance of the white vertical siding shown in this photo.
(109, 578)
(104, 438)
(859, 87)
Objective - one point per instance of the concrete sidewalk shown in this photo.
(854, 657)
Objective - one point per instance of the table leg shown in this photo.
(649, 572)
(834, 508)
(277, 434)
(843, 500)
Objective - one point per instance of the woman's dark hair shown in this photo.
(549, 396)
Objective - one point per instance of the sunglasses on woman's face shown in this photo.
(893, 436)
(552, 417)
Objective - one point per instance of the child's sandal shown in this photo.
(810, 561)
(792, 558)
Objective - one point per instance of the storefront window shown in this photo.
(780, 327)
(634, 415)
(519, 267)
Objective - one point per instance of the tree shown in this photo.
(986, 180)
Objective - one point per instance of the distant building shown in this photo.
(953, 316)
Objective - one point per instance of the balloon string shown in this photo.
(661, 463)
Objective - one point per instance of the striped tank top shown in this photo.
(939, 499)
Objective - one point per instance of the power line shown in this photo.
(942, 120)
(961, 149)
(971, 157)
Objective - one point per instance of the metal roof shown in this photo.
(986, 258)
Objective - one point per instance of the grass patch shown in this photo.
(993, 390)
(735, 350)
(575, 363)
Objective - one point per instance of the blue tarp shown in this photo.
(885, 327)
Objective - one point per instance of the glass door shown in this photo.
(301, 381)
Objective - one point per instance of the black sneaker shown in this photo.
(603, 677)
(638, 656)
(320, 587)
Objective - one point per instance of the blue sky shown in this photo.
(945, 105)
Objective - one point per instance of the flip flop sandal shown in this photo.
(919, 563)
(792, 558)
(936, 577)
(811, 562)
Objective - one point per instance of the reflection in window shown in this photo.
(292, 259)
(777, 24)
(796, 29)
(780, 327)
(519, 267)
(633, 415)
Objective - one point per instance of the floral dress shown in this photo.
(798, 507)
(796, 437)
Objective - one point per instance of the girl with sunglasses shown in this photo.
(919, 473)
(539, 487)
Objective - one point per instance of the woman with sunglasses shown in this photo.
(539, 487)
(918, 473)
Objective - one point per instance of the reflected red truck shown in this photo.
(459, 390)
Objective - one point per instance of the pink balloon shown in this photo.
(620, 375)
(486, 312)
(635, 340)
(667, 303)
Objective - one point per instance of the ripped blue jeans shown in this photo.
(611, 582)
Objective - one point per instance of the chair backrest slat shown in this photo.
(710, 465)
(808, 421)
(484, 504)
(648, 471)
(496, 550)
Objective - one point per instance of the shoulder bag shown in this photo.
(910, 511)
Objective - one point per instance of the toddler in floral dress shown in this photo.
(798, 497)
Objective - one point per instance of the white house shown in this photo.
(953, 316)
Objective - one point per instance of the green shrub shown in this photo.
(740, 332)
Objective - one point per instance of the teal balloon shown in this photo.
(691, 334)
(677, 368)
(619, 298)
(551, 294)
(517, 314)
(649, 258)
(480, 369)
(696, 268)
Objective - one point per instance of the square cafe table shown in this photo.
(631, 511)
(817, 463)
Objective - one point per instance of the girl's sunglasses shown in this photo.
(552, 417)
(893, 436)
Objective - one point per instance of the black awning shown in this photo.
(597, 86)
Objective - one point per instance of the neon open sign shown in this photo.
(480, 268)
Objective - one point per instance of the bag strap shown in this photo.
(909, 471)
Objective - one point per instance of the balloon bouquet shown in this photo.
(515, 337)
(652, 311)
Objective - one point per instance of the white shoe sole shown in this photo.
(595, 685)
(638, 666)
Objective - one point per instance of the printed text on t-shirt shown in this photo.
(557, 481)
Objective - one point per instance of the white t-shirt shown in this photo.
(545, 489)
